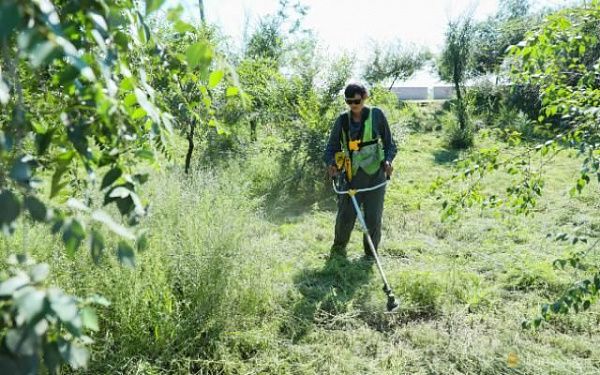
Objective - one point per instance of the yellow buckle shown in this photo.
(339, 159)
(353, 145)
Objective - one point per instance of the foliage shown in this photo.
(494, 35)
(459, 138)
(81, 111)
(561, 58)
(112, 117)
(390, 63)
(570, 88)
(41, 327)
(271, 37)
(454, 65)
(419, 118)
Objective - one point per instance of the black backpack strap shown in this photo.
(345, 118)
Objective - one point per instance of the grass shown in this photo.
(230, 286)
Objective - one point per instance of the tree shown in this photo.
(79, 105)
(513, 9)
(494, 35)
(274, 32)
(201, 7)
(453, 66)
(394, 62)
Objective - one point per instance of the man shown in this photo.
(371, 156)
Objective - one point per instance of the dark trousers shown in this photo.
(371, 203)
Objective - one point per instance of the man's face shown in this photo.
(356, 103)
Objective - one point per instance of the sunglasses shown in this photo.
(353, 101)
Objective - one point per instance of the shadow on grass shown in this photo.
(287, 202)
(445, 156)
(326, 294)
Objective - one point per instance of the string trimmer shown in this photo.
(339, 185)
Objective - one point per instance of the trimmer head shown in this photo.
(392, 305)
(391, 302)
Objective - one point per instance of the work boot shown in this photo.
(339, 251)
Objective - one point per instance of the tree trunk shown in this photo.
(202, 18)
(190, 138)
(253, 130)
(462, 123)
(392, 85)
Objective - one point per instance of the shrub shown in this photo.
(418, 118)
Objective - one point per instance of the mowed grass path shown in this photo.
(464, 287)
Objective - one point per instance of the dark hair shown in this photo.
(353, 89)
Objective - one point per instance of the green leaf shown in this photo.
(89, 318)
(125, 254)
(141, 178)
(30, 303)
(556, 307)
(198, 54)
(21, 171)
(152, 5)
(9, 18)
(52, 357)
(56, 185)
(76, 356)
(43, 141)
(215, 77)
(22, 342)
(138, 113)
(64, 306)
(143, 101)
(232, 91)
(110, 177)
(36, 208)
(39, 272)
(586, 304)
(580, 184)
(127, 84)
(98, 299)
(10, 207)
(106, 219)
(8, 287)
(4, 92)
(145, 154)
(43, 53)
(96, 245)
(183, 27)
(73, 234)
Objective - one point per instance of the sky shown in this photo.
(351, 26)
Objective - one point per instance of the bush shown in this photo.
(486, 99)
(512, 119)
(457, 138)
(525, 98)
(418, 118)
(388, 102)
